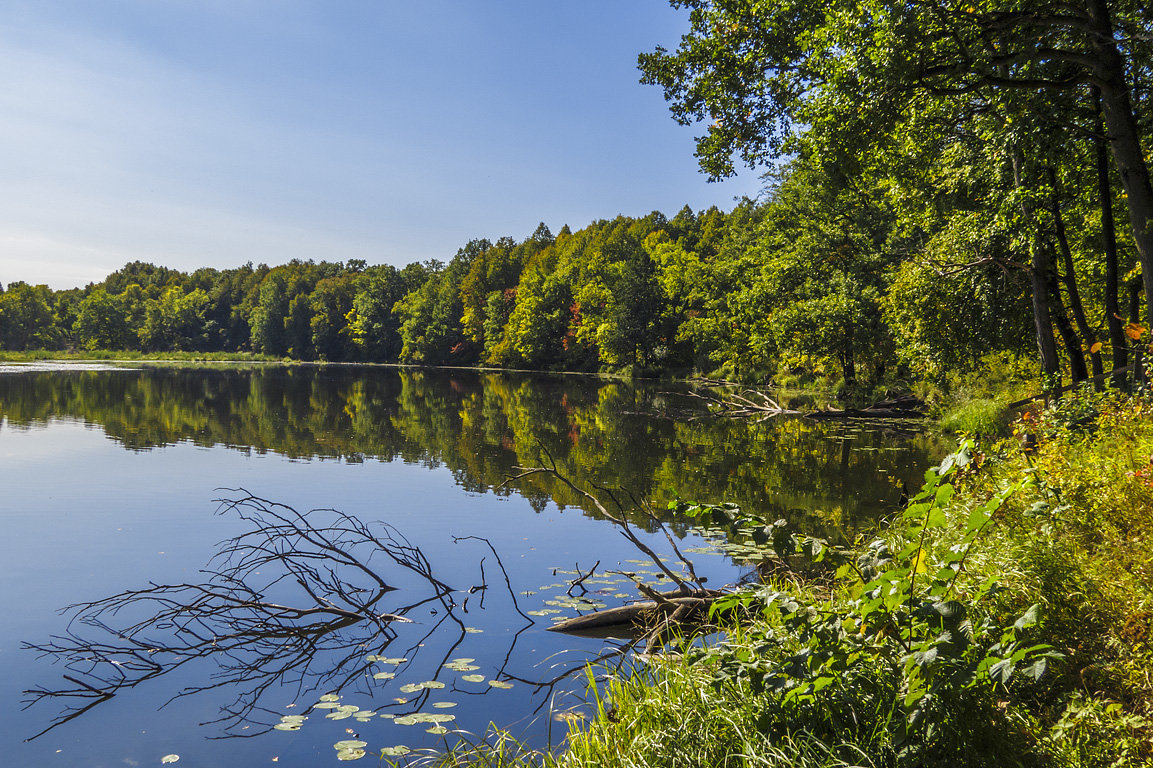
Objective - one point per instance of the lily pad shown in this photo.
(170, 758)
(330, 697)
(436, 729)
(473, 630)
(384, 675)
(473, 678)
(350, 754)
(396, 751)
(339, 715)
(287, 727)
(326, 705)
(350, 744)
(499, 684)
(444, 704)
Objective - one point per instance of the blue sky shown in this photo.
(214, 132)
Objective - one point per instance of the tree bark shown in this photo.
(1069, 337)
(1109, 237)
(1124, 139)
(1070, 279)
(1038, 281)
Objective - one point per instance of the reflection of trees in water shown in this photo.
(481, 425)
(299, 599)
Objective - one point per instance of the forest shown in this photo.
(966, 184)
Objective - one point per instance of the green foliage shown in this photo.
(26, 318)
(900, 630)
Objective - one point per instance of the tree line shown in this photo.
(947, 181)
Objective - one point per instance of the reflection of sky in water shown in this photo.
(84, 518)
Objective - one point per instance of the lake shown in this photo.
(224, 623)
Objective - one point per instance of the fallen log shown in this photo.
(642, 613)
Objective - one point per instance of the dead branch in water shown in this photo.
(296, 599)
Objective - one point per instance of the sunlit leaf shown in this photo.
(350, 744)
(350, 754)
(437, 729)
(499, 684)
(473, 678)
(444, 704)
(170, 758)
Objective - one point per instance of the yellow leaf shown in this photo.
(1095, 348)
(919, 562)
(1134, 331)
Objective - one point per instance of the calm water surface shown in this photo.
(113, 481)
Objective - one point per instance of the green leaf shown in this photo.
(396, 751)
(1029, 618)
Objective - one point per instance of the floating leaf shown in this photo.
(396, 751)
(473, 630)
(326, 705)
(444, 704)
(473, 678)
(287, 726)
(350, 744)
(384, 675)
(437, 729)
(407, 720)
(384, 660)
(339, 714)
(350, 754)
(170, 758)
(499, 684)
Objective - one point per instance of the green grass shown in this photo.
(982, 417)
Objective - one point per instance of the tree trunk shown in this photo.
(1135, 288)
(1075, 305)
(1069, 337)
(1038, 281)
(1109, 236)
(1125, 139)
